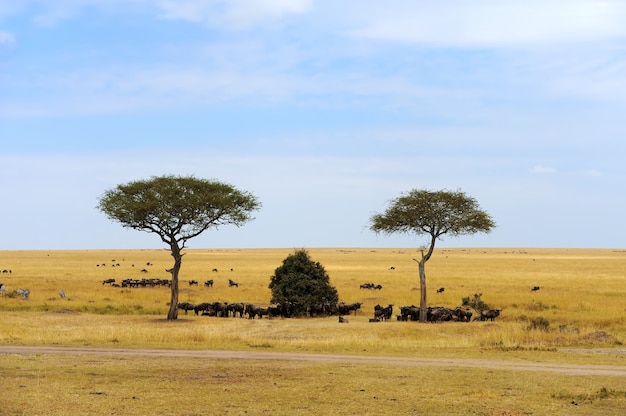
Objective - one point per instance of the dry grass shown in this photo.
(65, 385)
(581, 300)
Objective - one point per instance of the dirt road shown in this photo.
(571, 369)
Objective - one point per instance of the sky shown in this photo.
(325, 110)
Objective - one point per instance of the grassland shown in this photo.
(581, 307)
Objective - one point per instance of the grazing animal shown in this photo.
(214, 270)
(23, 292)
(370, 286)
(236, 308)
(490, 314)
(347, 308)
(208, 283)
(61, 294)
(438, 314)
(535, 288)
(232, 283)
(254, 310)
(108, 281)
(441, 290)
(201, 307)
(383, 313)
(193, 283)
(462, 315)
(186, 306)
(343, 320)
(144, 270)
(410, 313)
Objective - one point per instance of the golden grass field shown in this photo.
(582, 300)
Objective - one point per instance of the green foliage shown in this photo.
(177, 208)
(433, 213)
(301, 282)
(475, 302)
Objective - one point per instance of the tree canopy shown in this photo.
(434, 214)
(301, 282)
(177, 208)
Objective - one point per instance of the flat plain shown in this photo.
(576, 319)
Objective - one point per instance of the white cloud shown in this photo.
(540, 169)
(232, 13)
(7, 38)
(490, 23)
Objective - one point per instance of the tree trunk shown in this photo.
(423, 302)
(422, 271)
(178, 258)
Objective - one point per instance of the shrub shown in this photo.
(301, 282)
(539, 324)
(475, 302)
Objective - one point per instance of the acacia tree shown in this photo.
(434, 214)
(177, 209)
(301, 282)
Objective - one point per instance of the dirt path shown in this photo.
(570, 369)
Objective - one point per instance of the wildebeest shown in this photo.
(108, 281)
(254, 310)
(201, 307)
(208, 283)
(221, 309)
(370, 286)
(410, 313)
(343, 320)
(441, 290)
(193, 283)
(232, 283)
(347, 308)
(186, 306)
(489, 314)
(438, 314)
(236, 308)
(383, 313)
(462, 315)
(535, 288)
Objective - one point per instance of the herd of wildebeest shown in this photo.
(290, 309)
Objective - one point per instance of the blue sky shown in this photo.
(325, 110)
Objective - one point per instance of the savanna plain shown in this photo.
(105, 350)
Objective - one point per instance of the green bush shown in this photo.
(301, 282)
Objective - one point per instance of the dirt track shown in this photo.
(570, 369)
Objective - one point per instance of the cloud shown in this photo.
(232, 13)
(7, 38)
(541, 170)
(489, 23)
